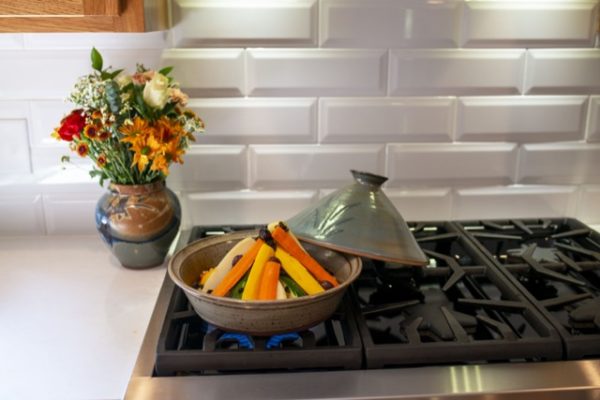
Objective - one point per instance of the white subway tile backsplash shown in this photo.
(422, 205)
(593, 127)
(317, 72)
(70, 213)
(445, 164)
(207, 72)
(247, 207)
(561, 163)
(211, 167)
(389, 23)
(521, 118)
(101, 40)
(456, 72)
(589, 209)
(45, 117)
(515, 202)
(370, 120)
(13, 109)
(48, 74)
(21, 214)
(311, 166)
(529, 23)
(257, 120)
(240, 23)
(14, 151)
(48, 158)
(562, 71)
(11, 40)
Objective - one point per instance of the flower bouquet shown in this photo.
(132, 127)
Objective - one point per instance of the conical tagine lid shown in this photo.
(359, 219)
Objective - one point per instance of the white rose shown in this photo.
(156, 92)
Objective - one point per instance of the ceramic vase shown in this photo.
(138, 222)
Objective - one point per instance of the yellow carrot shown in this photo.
(269, 281)
(297, 272)
(285, 240)
(239, 269)
(256, 272)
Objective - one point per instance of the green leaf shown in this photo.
(114, 74)
(96, 59)
(113, 97)
(65, 159)
(165, 71)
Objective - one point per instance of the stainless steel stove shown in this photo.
(507, 308)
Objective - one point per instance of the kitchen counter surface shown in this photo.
(72, 319)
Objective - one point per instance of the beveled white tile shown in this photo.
(456, 72)
(21, 214)
(45, 117)
(99, 40)
(389, 23)
(48, 158)
(247, 207)
(423, 204)
(11, 40)
(210, 167)
(369, 120)
(201, 23)
(521, 118)
(14, 151)
(562, 71)
(316, 72)
(593, 125)
(559, 163)
(515, 202)
(207, 72)
(445, 164)
(589, 209)
(13, 109)
(22, 77)
(70, 213)
(529, 23)
(311, 166)
(257, 120)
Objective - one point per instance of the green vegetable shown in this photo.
(292, 286)
(238, 289)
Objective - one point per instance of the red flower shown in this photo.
(71, 125)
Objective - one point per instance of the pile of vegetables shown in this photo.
(272, 266)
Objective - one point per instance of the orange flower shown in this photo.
(103, 134)
(82, 149)
(91, 131)
(160, 163)
(101, 161)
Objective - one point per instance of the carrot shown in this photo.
(256, 272)
(287, 242)
(239, 270)
(269, 281)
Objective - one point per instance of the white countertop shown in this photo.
(71, 318)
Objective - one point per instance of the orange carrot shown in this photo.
(268, 283)
(287, 242)
(238, 270)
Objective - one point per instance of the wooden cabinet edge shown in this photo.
(97, 18)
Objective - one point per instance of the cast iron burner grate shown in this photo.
(459, 309)
(188, 345)
(556, 263)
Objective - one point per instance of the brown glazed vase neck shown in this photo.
(142, 189)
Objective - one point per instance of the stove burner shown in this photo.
(588, 313)
(540, 254)
(439, 321)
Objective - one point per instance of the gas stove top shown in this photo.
(524, 293)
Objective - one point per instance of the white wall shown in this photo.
(472, 109)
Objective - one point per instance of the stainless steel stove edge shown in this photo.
(532, 381)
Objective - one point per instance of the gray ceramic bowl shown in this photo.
(259, 317)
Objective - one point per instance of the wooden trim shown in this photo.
(101, 7)
(100, 16)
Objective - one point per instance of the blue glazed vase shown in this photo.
(138, 222)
